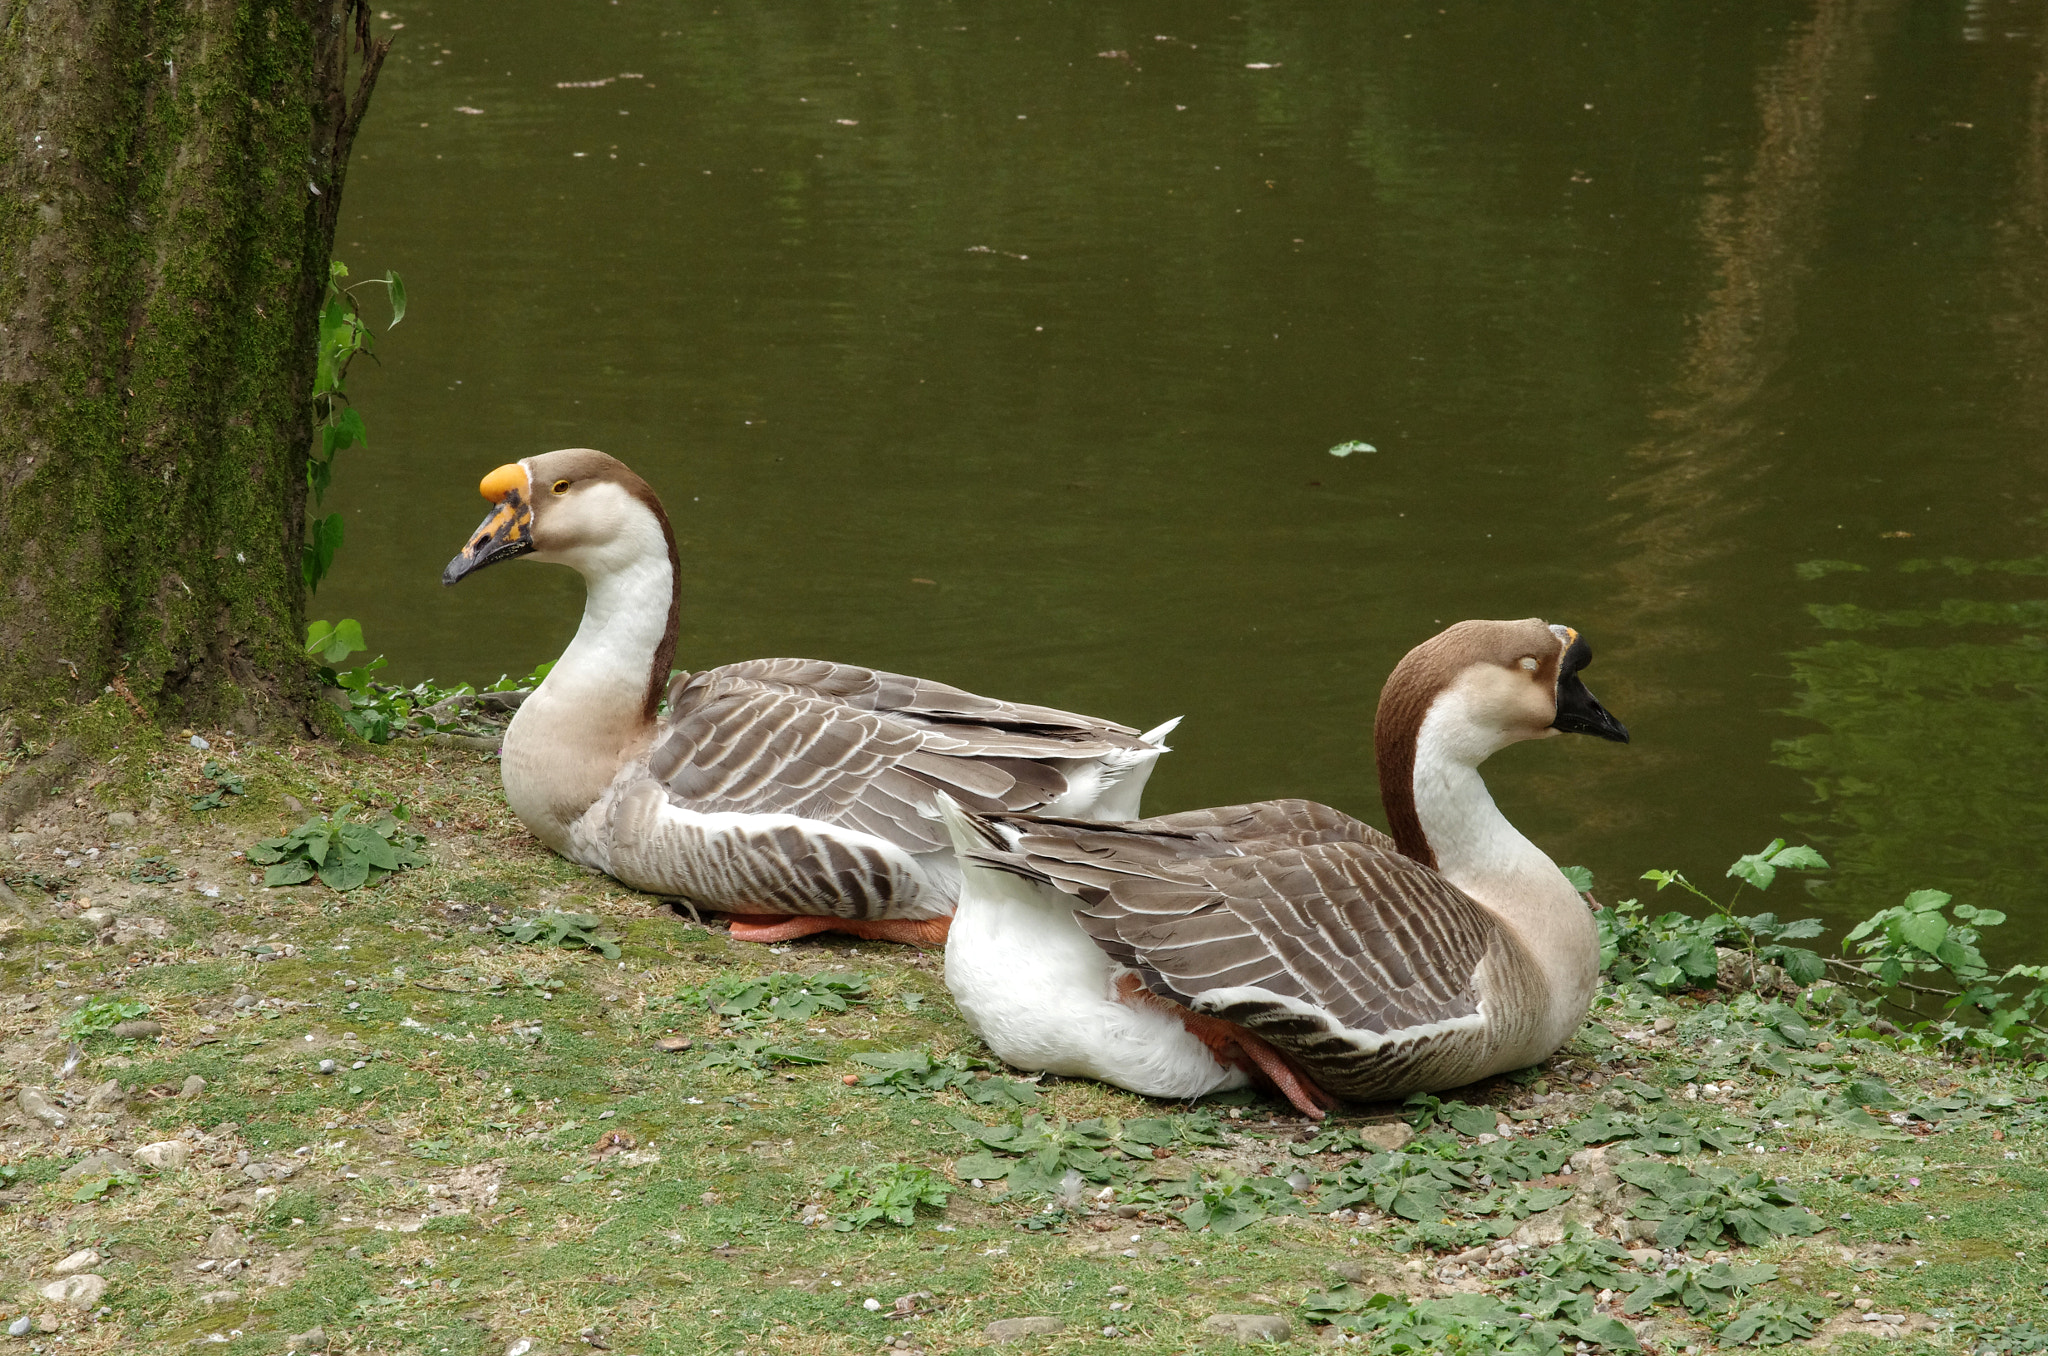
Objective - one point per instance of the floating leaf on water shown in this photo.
(1346, 449)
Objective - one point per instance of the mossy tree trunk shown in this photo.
(168, 197)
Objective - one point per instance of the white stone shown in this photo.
(166, 1155)
(76, 1292)
(82, 1260)
(224, 1243)
(34, 1103)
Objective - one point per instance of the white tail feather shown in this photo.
(1124, 774)
(1158, 733)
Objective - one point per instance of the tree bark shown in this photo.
(168, 198)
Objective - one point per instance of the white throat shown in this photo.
(1476, 848)
(1481, 853)
(589, 716)
(625, 616)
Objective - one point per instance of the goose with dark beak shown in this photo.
(1286, 943)
(791, 794)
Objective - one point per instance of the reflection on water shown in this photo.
(1007, 347)
(1927, 763)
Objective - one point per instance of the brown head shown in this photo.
(581, 508)
(1495, 683)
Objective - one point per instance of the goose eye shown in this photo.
(1527, 661)
(562, 487)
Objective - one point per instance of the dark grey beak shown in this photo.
(1578, 710)
(506, 533)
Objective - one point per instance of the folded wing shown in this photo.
(861, 748)
(1288, 899)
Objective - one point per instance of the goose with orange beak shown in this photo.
(795, 795)
(1286, 943)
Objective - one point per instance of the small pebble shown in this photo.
(20, 1326)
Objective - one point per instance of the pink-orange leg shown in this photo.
(1235, 1046)
(1259, 1059)
(775, 927)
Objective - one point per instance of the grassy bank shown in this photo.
(507, 1143)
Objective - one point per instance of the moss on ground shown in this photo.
(503, 1150)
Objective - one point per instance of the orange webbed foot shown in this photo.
(759, 927)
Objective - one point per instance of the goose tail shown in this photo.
(970, 833)
(1124, 774)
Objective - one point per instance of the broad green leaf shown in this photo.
(333, 320)
(345, 871)
(365, 842)
(1417, 1203)
(1579, 876)
(1802, 966)
(349, 430)
(1470, 1120)
(1754, 869)
(397, 292)
(294, 872)
(1611, 1333)
(1927, 931)
(1800, 858)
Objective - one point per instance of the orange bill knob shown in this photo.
(507, 478)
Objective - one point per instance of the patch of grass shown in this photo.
(491, 1072)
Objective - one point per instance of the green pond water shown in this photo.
(1007, 344)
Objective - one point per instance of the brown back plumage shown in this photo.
(863, 748)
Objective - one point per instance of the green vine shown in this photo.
(343, 334)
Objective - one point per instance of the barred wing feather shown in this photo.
(1306, 908)
(831, 742)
